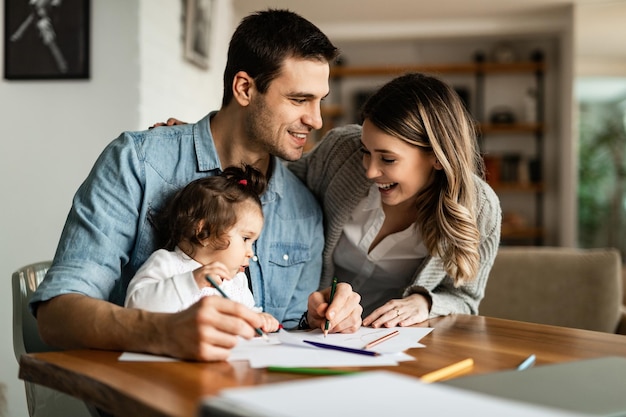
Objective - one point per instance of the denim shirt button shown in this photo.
(255, 258)
(285, 257)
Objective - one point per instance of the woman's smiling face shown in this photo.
(399, 169)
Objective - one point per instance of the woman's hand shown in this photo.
(400, 312)
(344, 313)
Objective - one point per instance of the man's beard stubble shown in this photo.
(258, 128)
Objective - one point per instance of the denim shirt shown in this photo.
(107, 235)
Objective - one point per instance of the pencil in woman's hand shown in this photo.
(333, 288)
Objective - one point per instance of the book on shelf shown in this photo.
(512, 168)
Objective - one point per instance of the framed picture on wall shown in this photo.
(46, 39)
(197, 31)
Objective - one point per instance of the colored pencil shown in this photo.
(381, 339)
(309, 371)
(333, 288)
(448, 371)
(527, 363)
(214, 284)
(342, 348)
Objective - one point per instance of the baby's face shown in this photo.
(241, 236)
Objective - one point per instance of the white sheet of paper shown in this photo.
(407, 338)
(144, 357)
(288, 348)
(367, 394)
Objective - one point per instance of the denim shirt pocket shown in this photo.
(286, 263)
(289, 254)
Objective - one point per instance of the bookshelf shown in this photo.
(507, 173)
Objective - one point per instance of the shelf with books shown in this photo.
(492, 128)
(517, 187)
(509, 170)
(449, 68)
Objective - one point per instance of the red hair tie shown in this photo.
(243, 182)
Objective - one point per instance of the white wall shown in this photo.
(599, 36)
(169, 85)
(54, 130)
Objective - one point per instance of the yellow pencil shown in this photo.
(448, 371)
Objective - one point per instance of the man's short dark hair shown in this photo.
(265, 39)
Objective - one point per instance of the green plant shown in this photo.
(602, 176)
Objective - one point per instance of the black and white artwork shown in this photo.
(46, 39)
(197, 31)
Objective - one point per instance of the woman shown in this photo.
(409, 221)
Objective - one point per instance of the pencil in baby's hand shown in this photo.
(214, 284)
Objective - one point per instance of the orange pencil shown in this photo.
(381, 339)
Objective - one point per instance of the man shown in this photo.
(275, 78)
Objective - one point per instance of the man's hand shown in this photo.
(344, 313)
(170, 122)
(208, 330)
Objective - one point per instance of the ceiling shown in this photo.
(600, 25)
(393, 10)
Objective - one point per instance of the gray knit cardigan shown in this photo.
(334, 172)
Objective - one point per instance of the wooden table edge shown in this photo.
(32, 368)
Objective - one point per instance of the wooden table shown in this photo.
(175, 388)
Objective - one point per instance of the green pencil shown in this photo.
(309, 371)
(330, 301)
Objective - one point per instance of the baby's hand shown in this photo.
(270, 324)
(216, 270)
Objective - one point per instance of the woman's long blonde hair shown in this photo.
(426, 112)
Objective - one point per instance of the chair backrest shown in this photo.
(25, 333)
(579, 288)
(41, 401)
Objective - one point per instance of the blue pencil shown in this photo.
(527, 363)
(342, 348)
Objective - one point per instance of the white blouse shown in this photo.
(383, 273)
(165, 283)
